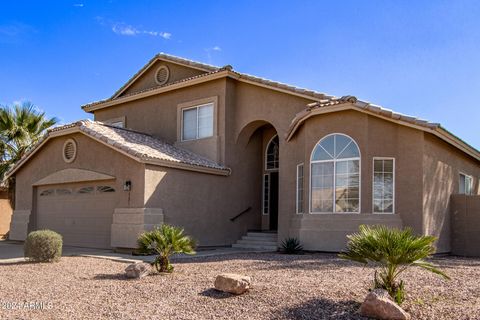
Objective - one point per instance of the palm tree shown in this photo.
(21, 126)
(165, 241)
(393, 251)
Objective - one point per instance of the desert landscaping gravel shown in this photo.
(310, 286)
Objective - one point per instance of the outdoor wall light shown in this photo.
(127, 186)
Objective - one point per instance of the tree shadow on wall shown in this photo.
(319, 309)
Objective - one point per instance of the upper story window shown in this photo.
(118, 124)
(465, 184)
(197, 122)
(335, 175)
(273, 154)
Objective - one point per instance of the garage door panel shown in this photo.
(83, 219)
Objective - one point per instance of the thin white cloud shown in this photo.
(78, 5)
(15, 29)
(209, 51)
(124, 29)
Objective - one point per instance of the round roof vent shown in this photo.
(162, 74)
(69, 150)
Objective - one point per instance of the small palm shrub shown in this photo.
(43, 246)
(165, 241)
(392, 251)
(291, 246)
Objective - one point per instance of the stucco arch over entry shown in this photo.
(245, 134)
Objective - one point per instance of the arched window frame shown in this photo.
(266, 154)
(359, 158)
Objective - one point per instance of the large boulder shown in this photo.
(233, 283)
(137, 270)
(379, 305)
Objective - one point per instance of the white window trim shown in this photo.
(303, 189)
(116, 120)
(266, 153)
(263, 194)
(471, 183)
(373, 179)
(198, 107)
(334, 170)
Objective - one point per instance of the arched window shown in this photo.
(335, 175)
(272, 156)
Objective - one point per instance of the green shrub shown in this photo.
(165, 241)
(43, 246)
(392, 251)
(291, 246)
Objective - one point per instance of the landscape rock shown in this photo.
(233, 283)
(137, 270)
(379, 305)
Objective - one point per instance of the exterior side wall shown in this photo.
(442, 165)
(465, 220)
(91, 155)
(158, 115)
(5, 213)
(203, 204)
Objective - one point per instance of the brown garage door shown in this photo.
(81, 213)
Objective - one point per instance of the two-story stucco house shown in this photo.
(219, 153)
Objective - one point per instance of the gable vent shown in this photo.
(162, 74)
(69, 150)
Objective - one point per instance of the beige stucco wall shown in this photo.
(375, 138)
(5, 213)
(147, 79)
(465, 225)
(203, 204)
(91, 155)
(442, 165)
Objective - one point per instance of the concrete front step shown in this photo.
(262, 235)
(257, 242)
(254, 247)
(259, 238)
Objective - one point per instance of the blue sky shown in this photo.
(418, 57)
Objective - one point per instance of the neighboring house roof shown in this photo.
(211, 73)
(352, 103)
(139, 146)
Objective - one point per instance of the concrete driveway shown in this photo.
(12, 252)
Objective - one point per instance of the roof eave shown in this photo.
(214, 76)
(141, 159)
(434, 129)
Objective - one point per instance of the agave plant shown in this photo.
(165, 241)
(291, 246)
(392, 251)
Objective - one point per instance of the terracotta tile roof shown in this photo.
(351, 102)
(142, 146)
(372, 108)
(209, 71)
(152, 88)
